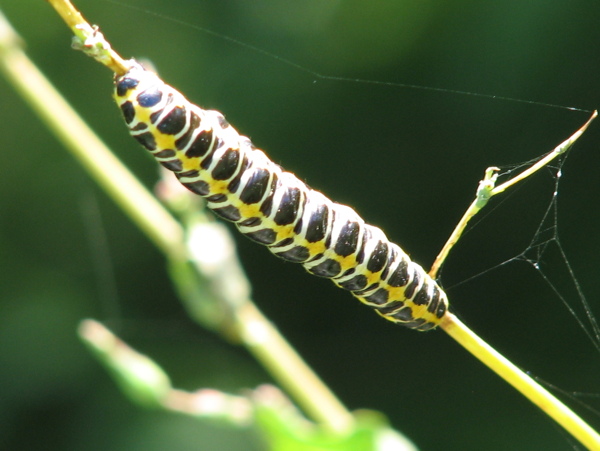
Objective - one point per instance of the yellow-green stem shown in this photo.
(521, 381)
(487, 189)
(157, 223)
(92, 153)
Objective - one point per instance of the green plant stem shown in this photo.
(269, 347)
(164, 231)
(521, 381)
(155, 221)
(487, 189)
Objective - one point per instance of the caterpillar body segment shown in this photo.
(273, 207)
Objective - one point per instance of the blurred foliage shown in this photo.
(408, 160)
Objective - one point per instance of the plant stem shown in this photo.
(160, 226)
(529, 388)
(487, 189)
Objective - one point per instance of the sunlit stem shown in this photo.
(521, 381)
(484, 192)
(274, 353)
(487, 189)
(92, 153)
(483, 351)
(88, 38)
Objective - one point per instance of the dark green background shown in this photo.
(408, 160)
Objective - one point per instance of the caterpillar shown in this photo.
(272, 206)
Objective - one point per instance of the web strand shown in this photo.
(328, 77)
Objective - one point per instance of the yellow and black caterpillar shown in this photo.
(273, 207)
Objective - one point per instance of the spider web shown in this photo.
(546, 255)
